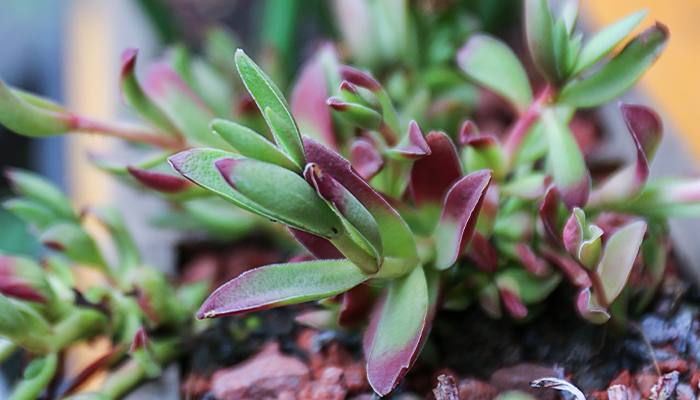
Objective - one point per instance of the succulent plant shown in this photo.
(397, 223)
(45, 314)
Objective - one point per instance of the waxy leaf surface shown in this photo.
(618, 258)
(433, 175)
(539, 29)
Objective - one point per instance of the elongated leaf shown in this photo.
(530, 187)
(281, 284)
(561, 47)
(400, 251)
(529, 288)
(539, 29)
(433, 175)
(646, 128)
(569, 12)
(182, 106)
(568, 166)
(607, 39)
(618, 75)
(37, 377)
(359, 222)
(308, 101)
(356, 114)
(412, 146)
(491, 63)
(462, 205)
(391, 131)
(42, 191)
(129, 255)
(34, 120)
(400, 325)
(317, 246)
(251, 144)
(198, 165)
(664, 198)
(549, 215)
(618, 258)
(570, 268)
(267, 95)
(75, 243)
(31, 212)
(165, 183)
(24, 279)
(134, 96)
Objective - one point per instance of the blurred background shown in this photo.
(69, 50)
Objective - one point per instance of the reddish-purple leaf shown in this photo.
(356, 305)
(366, 159)
(549, 214)
(159, 181)
(359, 78)
(22, 279)
(400, 252)
(282, 284)
(433, 175)
(588, 309)
(400, 326)
(531, 262)
(462, 205)
(573, 232)
(413, 146)
(468, 131)
(511, 302)
(320, 248)
(308, 101)
(646, 128)
(571, 269)
(480, 252)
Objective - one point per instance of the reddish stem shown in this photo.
(129, 133)
(525, 121)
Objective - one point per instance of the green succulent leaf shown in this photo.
(252, 144)
(539, 29)
(618, 75)
(491, 63)
(281, 284)
(396, 330)
(12, 323)
(37, 377)
(606, 40)
(31, 212)
(618, 258)
(129, 255)
(267, 95)
(569, 13)
(561, 47)
(42, 191)
(568, 166)
(72, 240)
(259, 187)
(666, 198)
(32, 116)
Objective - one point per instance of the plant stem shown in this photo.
(81, 324)
(525, 122)
(127, 132)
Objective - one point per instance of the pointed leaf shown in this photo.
(24, 279)
(568, 166)
(492, 64)
(400, 326)
(134, 96)
(267, 95)
(252, 144)
(356, 114)
(317, 246)
(198, 165)
(161, 182)
(539, 29)
(462, 205)
(606, 40)
(618, 258)
(32, 213)
(646, 128)
(433, 175)
(570, 268)
(281, 284)
(359, 222)
(32, 119)
(618, 75)
(400, 251)
(530, 187)
(549, 214)
(412, 146)
(75, 243)
(664, 198)
(42, 191)
(569, 12)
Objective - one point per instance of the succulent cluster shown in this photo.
(44, 313)
(395, 223)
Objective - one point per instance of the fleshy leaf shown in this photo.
(35, 120)
(75, 243)
(319, 247)
(412, 146)
(355, 306)
(607, 39)
(281, 284)
(664, 198)
(357, 114)
(539, 29)
(129, 255)
(400, 325)
(359, 222)
(433, 175)
(568, 166)
(134, 96)
(462, 205)
(400, 251)
(481, 253)
(366, 159)
(485, 152)
(549, 214)
(570, 268)
(161, 182)
(37, 376)
(308, 101)
(492, 64)
(42, 191)
(267, 95)
(646, 129)
(23, 279)
(530, 187)
(31, 212)
(618, 75)
(618, 258)
(589, 310)
(251, 144)
(198, 165)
